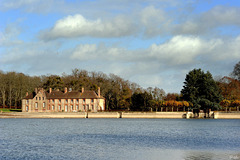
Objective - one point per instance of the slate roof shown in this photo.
(67, 95)
(72, 94)
(89, 95)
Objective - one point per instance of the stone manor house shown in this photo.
(67, 101)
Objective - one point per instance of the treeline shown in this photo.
(122, 94)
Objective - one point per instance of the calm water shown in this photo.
(119, 139)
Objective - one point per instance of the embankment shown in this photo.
(158, 115)
(94, 115)
(231, 115)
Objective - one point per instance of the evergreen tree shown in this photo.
(201, 90)
(236, 71)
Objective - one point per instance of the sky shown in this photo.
(153, 43)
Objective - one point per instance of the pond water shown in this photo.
(104, 139)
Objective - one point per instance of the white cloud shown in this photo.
(155, 21)
(79, 26)
(84, 52)
(206, 22)
(179, 50)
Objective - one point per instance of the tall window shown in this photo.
(77, 107)
(27, 102)
(84, 100)
(59, 100)
(36, 98)
(43, 104)
(59, 108)
(52, 107)
(36, 105)
(92, 100)
(76, 100)
(40, 98)
(71, 107)
(71, 100)
(66, 101)
(52, 100)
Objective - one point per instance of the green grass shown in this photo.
(10, 110)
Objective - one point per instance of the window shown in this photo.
(66, 101)
(36, 98)
(71, 100)
(84, 107)
(71, 107)
(77, 107)
(39, 98)
(27, 102)
(92, 100)
(52, 107)
(43, 104)
(83, 100)
(59, 108)
(36, 105)
(42, 98)
(53, 101)
(77, 100)
(59, 100)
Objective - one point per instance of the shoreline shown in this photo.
(130, 115)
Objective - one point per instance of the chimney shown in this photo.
(50, 90)
(99, 92)
(82, 89)
(65, 90)
(26, 94)
(36, 90)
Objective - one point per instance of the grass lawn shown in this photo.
(10, 110)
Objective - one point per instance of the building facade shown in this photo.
(67, 101)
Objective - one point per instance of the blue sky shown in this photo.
(150, 42)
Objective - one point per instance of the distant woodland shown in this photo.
(123, 95)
